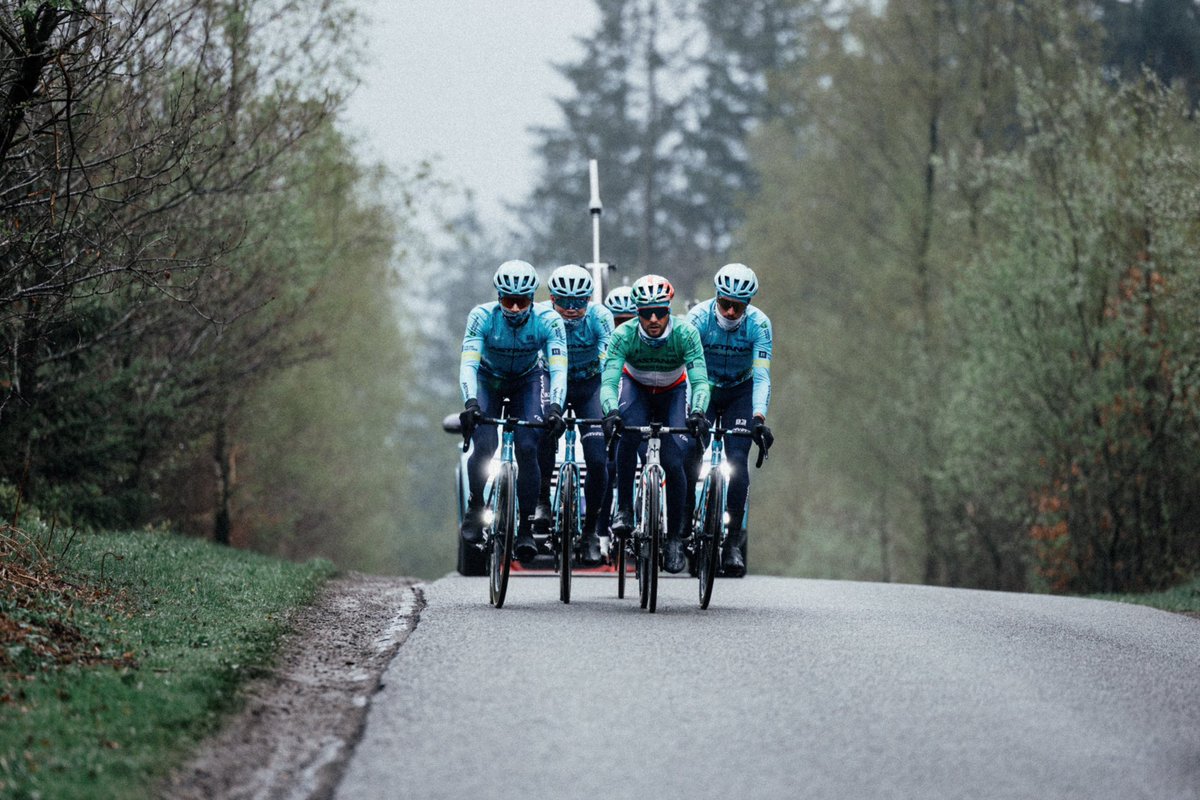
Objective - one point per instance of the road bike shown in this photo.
(709, 517)
(568, 507)
(501, 507)
(649, 517)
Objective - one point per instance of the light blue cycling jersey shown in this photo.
(737, 355)
(587, 339)
(496, 350)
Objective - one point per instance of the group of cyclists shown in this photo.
(629, 362)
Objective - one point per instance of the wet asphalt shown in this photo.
(783, 688)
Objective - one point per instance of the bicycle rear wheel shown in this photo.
(708, 554)
(504, 523)
(568, 527)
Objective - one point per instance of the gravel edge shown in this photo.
(298, 726)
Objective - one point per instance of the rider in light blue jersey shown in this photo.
(737, 350)
(503, 350)
(589, 328)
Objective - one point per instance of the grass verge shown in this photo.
(1184, 598)
(120, 651)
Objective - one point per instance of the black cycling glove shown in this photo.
(698, 424)
(761, 434)
(469, 417)
(612, 424)
(554, 421)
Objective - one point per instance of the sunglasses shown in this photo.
(730, 305)
(515, 302)
(660, 312)
(572, 303)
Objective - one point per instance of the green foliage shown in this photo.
(185, 622)
(1182, 598)
(1075, 410)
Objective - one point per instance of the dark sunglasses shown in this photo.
(661, 312)
(572, 303)
(515, 302)
(730, 305)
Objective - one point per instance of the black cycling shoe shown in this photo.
(542, 517)
(675, 556)
(525, 547)
(732, 563)
(471, 529)
(591, 550)
(622, 524)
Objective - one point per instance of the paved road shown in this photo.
(783, 688)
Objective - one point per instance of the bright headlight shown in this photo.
(725, 519)
(493, 467)
(489, 515)
(726, 470)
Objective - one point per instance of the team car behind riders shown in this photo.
(589, 327)
(736, 337)
(651, 360)
(503, 348)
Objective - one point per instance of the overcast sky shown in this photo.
(464, 80)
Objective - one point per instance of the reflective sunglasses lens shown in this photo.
(659, 312)
(514, 302)
(730, 305)
(572, 303)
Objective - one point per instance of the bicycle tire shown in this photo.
(708, 556)
(650, 541)
(621, 567)
(657, 509)
(504, 523)
(641, 566)
(568, 527)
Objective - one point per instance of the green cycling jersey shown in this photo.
(658, 364)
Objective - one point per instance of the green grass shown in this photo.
(190, 622)
(1185, 597)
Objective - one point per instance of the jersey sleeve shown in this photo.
(472, 353)
(604, 331)
(614, 363)
(697, 369)
(556, 357)
(761, 368)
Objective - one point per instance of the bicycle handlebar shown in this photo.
(762, 450)
(513, 421)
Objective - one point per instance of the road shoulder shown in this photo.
(298, 725)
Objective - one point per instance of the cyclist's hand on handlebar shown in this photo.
(554, 421)
(761, 434)
(612, 424)
(698, 424)
(762, 437)
(469, 417)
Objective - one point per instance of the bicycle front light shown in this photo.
(726, 470)
(493, 468)
(489, 515)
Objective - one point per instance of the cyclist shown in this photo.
(650, 363)
(623, 309)
(737, 351)
(589, 328)
(500, 358)
(621, 305)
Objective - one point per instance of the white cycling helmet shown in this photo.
(516, 277)
(571, 281)
(620, 302)
(651, 290)
(737, 282)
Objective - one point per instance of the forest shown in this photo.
(976, 226)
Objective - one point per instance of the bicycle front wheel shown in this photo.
(650, 542)
(568, 527)
(708, 554)
(504, 524)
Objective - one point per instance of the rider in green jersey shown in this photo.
(650, 362)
